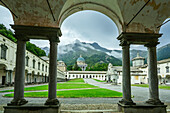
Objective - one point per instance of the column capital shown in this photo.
(138, 38)
(54, 39)
(153, 44)
(36, 32)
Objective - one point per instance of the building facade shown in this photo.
(100, 75)
(164, 71)
(36, 68)
(137, 72)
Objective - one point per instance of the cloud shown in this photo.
(91, 26)
(6, 17)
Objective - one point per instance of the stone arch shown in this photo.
(10, 13)
(162, 23)
(167, 79)
(3, 77)
(113, 14)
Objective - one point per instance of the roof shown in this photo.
(132, 69)
(164, 61)
(87, 72)
(45, 58)
(138, 57)
(81, 59)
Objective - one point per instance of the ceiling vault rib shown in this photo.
(163, 23)
(50, 10)
(138, 13)
(8, 8)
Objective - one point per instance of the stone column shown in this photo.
(153, 76)
(52, 100)
(126, 78)
(11, 76)
(19, 74)
(7, 77)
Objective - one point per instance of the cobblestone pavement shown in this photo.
(140, 94)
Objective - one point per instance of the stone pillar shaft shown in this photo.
(126, 81)
(19, 74)
(7, 77)
(52, 70)
(126, 78)
(52, 75)
(152, 73)
(153, 76)
(11, 76)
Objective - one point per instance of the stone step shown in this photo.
(89, 111)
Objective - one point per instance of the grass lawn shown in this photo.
(99, 80)
(59, 86)
(72, 84)
(146, 85)
(75, 93)
(76, 80)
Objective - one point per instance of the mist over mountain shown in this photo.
(94, 53)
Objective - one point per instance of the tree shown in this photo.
(29, 46)
(76, 68)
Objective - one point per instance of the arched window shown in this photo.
(3, 51)
(33, 63)
(167, 69)
(45, 68)
(38, 65)
(158, 70)
(27, 60)
(42, 67)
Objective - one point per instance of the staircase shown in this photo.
(89, 108)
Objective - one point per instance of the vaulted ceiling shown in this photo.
(51, 13)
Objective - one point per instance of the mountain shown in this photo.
(163, 52)
(94, 53)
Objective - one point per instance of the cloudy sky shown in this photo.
(87, 26)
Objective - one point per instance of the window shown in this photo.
(45, 68)
(27, 60)
(33, 63)
(167, 69)
(38, 65)
(42, 67)
(3, 51)
(158, 70)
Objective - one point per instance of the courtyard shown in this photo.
(81, 94)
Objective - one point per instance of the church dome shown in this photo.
(80, 59)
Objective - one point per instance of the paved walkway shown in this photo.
(140, 94)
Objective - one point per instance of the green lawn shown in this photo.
(75, 93)
(59, 86)
(146, 85)
(99, 80)
(76, 80)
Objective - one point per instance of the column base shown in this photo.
(141, 108)
(154, 102)
(52, 102)
(126, 102)
(17, 102)
(32, 108)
